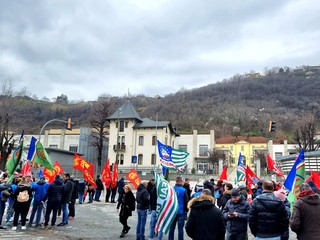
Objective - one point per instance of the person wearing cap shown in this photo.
(235, 214)
(306, 214)
(205, 219)
(268, 217)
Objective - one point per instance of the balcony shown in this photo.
(119, 147)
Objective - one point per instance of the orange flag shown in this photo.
(223, 175)
(133, 177)
(50, 174)
(114, 176)
(106, 172)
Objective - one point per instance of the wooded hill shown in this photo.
(242, 105)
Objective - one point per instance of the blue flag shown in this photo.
(32, 148)
(290, 181)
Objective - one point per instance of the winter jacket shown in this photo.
(67, 191)
(153, 198)
(121, 184)
(267, 216)
(21, 188)
(127, 202)
(225, 198)
(142, 197)
(99, 184)
(188, 189)
(285, 235)
(54, 192)
(75, 195)
(205, 220)
(40, 189)
(81, 186)
(182, 197)
(306, 216)
(237, 224)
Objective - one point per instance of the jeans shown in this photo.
(141, 224)
(9, 211)
(271, 238)
(36, 207)
(180, 218)
(91, 196)
(237, 236)
(97, 196)
(65, 213)
(153, 221)
(80, 197)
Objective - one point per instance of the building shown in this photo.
(249, 147)
(133, 140)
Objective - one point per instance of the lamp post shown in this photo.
(156, 139)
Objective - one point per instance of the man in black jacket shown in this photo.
(53, 195)
(267, 214)
(205, 219)
(66, 198)
(99, 189)
(235, 213)
(143, 199)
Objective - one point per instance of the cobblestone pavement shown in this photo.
(98, 220)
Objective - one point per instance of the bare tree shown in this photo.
(99, 124)
(215, 155)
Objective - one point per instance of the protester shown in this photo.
(313, 186)
(152, 211)
(127, 203)
(99, 189)
(114, 191)
(186, 185)
(150, 186)
(218, 192)
(10, 210)
(22, 202)
(226, 194)
(90, 192)
(268, 215)
(74, 196)
(108, 188)
(183, 199)
(40, 190)
(4, 195)
(235, 214)
(281, 193)
(306, 214)
(66, 199)
(143, 199)
(205, 219)
(121, 185)
(81, 190)
(53, 195)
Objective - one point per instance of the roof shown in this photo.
(149, 123)
(232, 139)
(126, 111)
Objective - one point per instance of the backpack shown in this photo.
(23, 196)
(217, 194)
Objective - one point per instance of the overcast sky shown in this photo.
(85, 48)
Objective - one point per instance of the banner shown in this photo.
(133, 177)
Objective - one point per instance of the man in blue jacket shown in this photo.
(183, 199)
(40, 189)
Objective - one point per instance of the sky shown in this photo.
(88, 48)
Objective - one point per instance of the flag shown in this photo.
(40, 174)
(272, 166)
(80, 163)
(114, 176)
(88, 175)
(295, 178)
(106, 172)
(251, 177)
(14, 159)
(50, 174)
(133, 177)
(167, 204)
(171, 158)
(241, 170)
(315, 178)
(26, 170)
(38, 154)
(223, 175)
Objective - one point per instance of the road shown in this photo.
(98, 220)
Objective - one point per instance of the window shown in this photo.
(140, 159)
(123, 139)
(117, 159)
(242, 148)
(73, 148)
(154, 140)
(183, 147)
(121, 159)
(203, 150)
(53, 146)
(141, 140)
(153, 159)
(126, 124)
(121, 126)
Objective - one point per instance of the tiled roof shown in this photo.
(148, 123)
(231, 139)
(126, 111)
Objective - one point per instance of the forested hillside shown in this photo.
(242, 105)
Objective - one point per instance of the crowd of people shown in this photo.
(208, 210)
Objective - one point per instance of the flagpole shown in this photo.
(155, 144)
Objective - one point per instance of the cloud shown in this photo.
(87, 48)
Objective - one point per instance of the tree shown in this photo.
(215, 155)
(305, 136)
(63, 99)
(99, 124)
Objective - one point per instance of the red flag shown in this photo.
(316, 178)
(50, 174)
(252, 178)
(223, 175)
(114, 176)
(272, 166)
(26, 170)
(80, 163)
(106, 172)
(88, 175)
(133, 177)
